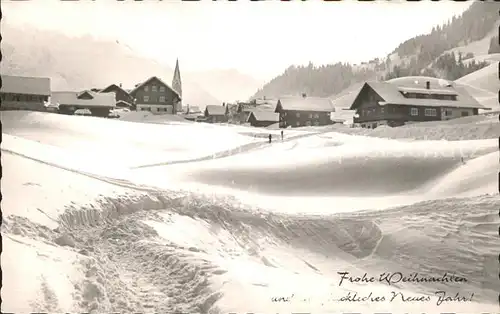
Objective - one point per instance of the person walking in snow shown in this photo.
(281, 135)
(270, 138)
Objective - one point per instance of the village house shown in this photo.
(156, 96)
(25, 93)
(216, 114)
(411, 99)
(123, 98)
(304, 111)
(244, 109)
(99, 104)
(258, 118)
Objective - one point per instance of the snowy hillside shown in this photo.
(126, 216)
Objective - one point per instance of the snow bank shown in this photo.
(481, 127)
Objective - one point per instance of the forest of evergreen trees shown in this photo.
(424, 54)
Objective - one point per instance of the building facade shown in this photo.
(392, 104)
(155, 96)
(25, 93)
(304, 111)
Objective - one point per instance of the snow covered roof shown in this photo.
(306, 104)
(25, 85)
(106, 100)
(267, 116)
(213, 110)
(391, 94)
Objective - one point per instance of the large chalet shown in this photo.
(304, 111)
(156, 96)
(411, 99)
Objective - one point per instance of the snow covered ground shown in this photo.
(103, 215)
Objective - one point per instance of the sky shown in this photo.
(260, 39)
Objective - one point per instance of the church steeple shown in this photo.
(177, 84)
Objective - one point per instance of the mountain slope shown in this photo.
(431, 54)
(483, 85)
(75, 63)
(227, 85)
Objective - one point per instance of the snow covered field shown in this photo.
(103, 215)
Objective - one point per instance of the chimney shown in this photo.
(304, 95)
(120, 85)
(428, 85)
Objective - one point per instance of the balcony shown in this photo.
(381, 116)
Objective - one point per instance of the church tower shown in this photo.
(177, 85)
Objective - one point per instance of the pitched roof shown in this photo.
(86, 92)
(214, 110)
(149, 80)
(391, 94)
(114, 86)
(306, 104)
(267, 116)
(25, 85)
(71, 98)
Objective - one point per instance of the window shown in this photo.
(310, 116)
(316, 116)
(297, 123)
(153, 88)
(146, 98)
(414, 111)
(297, 114)
(430, 112)
(162, 98)
(382, 109)
(146, 88)
(162, 88)
(448, 112)
(465, 113)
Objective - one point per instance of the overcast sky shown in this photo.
(256, 38)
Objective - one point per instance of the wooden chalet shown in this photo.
(216, 114)
(411, 99)
(99, 104)
(123, 98)
(156, 96)
(263, 118)
(24, 93)
(304, 111)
